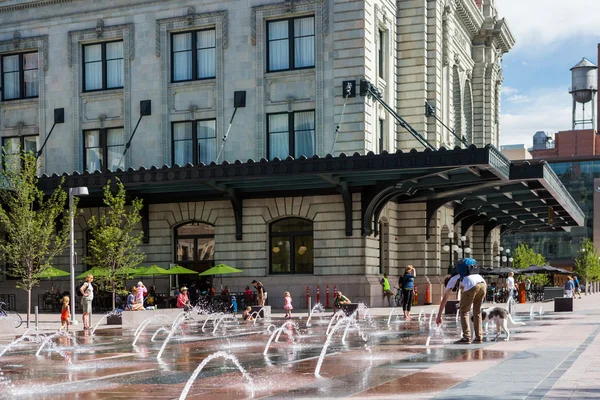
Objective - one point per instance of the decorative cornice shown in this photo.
(469, 15)
(291, 6)
(102, 32)
(20, 43)
(32, 4)
(503, 36)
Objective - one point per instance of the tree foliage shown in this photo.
(28, 218)
(113, 247)
(524, 256)
(587, 264)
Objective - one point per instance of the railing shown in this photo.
(499, 161)
(571, 205)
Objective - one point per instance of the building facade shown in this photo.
(282, 69)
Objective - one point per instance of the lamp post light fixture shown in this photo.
(76, 191)
(503, 258)
(449, 247)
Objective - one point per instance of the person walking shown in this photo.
(510, 284)
(577, 287)
(387, 292)
(569, 286)
(474, 290)
(261, 293)
(87, 290)
(407, 283)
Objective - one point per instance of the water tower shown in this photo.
(583, 90)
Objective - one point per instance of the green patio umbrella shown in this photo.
(179, 270)
(151, 271)
(95, 271)
(52, 272)
(221, 269)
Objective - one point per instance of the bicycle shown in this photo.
(15, 316)
(398, 297)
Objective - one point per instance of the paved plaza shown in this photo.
(555, 355)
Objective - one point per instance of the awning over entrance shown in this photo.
(482, 185)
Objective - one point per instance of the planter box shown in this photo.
(114, 320)
(563, 304)
(552, 292)
(451, 307)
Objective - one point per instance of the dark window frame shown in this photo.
(104, 66)
(291, 131)
(380, 54)
(103, 146)
(194, 139)
(21, 76)
(291, 237)
(21, 140)
(195, 260)
(291, 43)
(380, 134)
(194, 51)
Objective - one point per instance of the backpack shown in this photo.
(78, 288)
(465, 267)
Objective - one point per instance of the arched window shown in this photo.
(195, 246)
(291, 246)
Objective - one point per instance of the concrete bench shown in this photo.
(265, 313)
(563, 304)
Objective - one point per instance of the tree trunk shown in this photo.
(114, 295)
(28, 306)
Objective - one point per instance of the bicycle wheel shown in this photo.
(16, 317)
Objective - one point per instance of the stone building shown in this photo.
(311, 219)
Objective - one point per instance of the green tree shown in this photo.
(524, 256)
(28, 216)
(587, 264)
(113, 247)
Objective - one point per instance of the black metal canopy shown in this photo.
(482, 185)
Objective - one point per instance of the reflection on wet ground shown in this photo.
(393, 359)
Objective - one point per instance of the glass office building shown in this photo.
(561, 248)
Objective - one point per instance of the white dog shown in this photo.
(499, 316)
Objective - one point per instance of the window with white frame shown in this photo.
(194, 142)
(19, 73)
(291, 44)
(103, 149)
(291, 134)
(103, 66)
(193, 55)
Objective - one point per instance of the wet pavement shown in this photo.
(546, 358)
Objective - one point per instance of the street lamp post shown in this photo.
(454, 248)
(466, 250)
(504, 258)
(76, 191)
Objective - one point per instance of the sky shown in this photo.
(551, 37)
